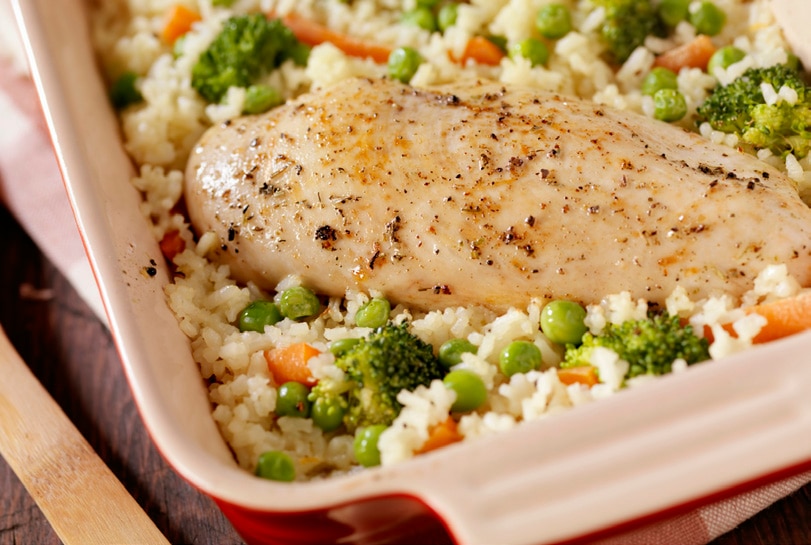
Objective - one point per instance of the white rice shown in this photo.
(160, 132)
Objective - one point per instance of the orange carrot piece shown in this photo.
(177, 21)
(312, 33)
(478, 48)
(482, 51)
(785, 317)
(693, 54)
(585, 374)
(441, 435)
(172, 244)
(289, 363)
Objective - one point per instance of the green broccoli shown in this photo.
(247, 48)
(740, 108)
(377, 368)
(627, 24)
(649, 345)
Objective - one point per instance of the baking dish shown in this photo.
(715, 430)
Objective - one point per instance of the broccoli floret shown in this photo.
(627, 23)
(247, 48)
(649, 345)
(740, 108)
(377, 368)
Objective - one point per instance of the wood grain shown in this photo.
(79, 495)
(73, 356)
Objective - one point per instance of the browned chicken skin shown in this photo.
(480, 194)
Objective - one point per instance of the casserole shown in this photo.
(664, 448)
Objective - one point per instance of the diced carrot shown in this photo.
(312, 33)
(482, 51)
(177, 21)
(584, 374)
(172, 244)
(478, 48)
(441, 435)
(289, 363)
(693, 54)
(708, 334)
(784, 317)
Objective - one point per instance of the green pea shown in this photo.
(365, 446)
(563, 322)
(222, 3)
(450, 352)
(673, 12)
(298, 302)
(375, 313)
(519, 357)
(669, 105)
(708, 19)
(327, 413)
(276, 466)
(261, 98)
(659, 78)
(532, 49)
(342, 346)
(553, 21)
(471, 393)
(292, 400)
(447, 15)
(422, 17)
(403, 63)
(430, 4)
(257, 315)
(724, 57)
(124, 91)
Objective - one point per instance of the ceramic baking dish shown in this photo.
(644, 454)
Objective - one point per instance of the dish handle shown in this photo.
(644, 454)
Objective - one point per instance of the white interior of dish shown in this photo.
(675, 441)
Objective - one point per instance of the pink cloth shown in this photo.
(30, 183)
(31, 188)
(710, 521)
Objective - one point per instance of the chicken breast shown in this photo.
(478, 194)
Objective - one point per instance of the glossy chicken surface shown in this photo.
(480, 194)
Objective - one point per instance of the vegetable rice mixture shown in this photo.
(303, 385)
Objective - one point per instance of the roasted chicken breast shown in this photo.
(481, 194)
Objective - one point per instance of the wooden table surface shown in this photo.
(72, 354)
